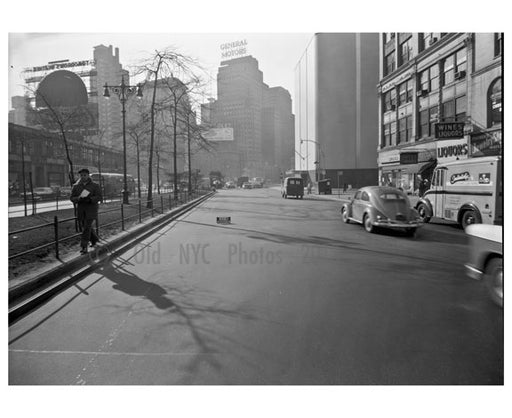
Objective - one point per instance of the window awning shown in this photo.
(418, 168)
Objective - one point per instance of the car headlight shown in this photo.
(381, 217)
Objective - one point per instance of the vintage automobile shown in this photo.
(230, 185)
(292, 186)
(382, 206)
(486, 258)
(247, 185)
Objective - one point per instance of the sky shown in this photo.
(277, 53)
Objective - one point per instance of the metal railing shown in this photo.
(60, 202)
(160, 204)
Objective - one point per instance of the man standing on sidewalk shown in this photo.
(86, 195)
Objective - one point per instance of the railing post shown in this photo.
(56, 232)
(170, 202)
(152, 207)
(162, 203)
(122, 216)
(140, 211)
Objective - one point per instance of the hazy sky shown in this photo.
(277, 53)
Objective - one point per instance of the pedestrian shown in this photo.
(86, 195)
(309, 187)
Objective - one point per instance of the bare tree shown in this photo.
(66, 120)
(162, 65)
(138, 132)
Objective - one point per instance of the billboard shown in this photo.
(219, 134)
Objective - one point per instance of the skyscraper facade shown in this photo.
(336, 111)
(261, 120)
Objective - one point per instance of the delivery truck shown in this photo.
(468, 192)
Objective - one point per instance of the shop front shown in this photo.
(403, 169)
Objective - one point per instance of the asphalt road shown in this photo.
(286, 294)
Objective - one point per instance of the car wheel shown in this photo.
(344, 215)
(469, 217)
(422, 210)
(494, 280)
(410, 232)
(367, 222)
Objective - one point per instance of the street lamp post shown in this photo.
(123, 91)
(317, 162)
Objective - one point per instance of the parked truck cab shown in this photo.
(467, 192)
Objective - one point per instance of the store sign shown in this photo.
(409, 158)
(389, 158)
(233, 49)
(58, 65)
(486, 143)
(449, 130)
(452, 150)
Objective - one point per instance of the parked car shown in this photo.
(29, 195)
(45, 193)
(258, 182)
(292, 186)
(382, 206)
(247, 185)
(230, 185)
(486, 258)
(62, 191)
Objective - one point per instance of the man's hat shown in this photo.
(83, 170)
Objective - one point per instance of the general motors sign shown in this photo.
(450, 130)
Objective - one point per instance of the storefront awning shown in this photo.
(418, 168)
(427, 166)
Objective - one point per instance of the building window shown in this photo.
(454, 67)
(404, 129)
(498, 44)
(388, 36)
(389, 134)
(429, 79)
(389, 63)
(390, 100)
(406, 51)
(427, 121)
(429, 39)
(405, 92)
(455, 110)
(494, 103)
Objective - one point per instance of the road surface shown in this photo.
(286, 294)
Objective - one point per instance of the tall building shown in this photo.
(426, 81)
(336, 112)
(76, 83)
(277, 131)
(260, 118)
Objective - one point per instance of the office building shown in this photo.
(433, 81)
(336, 111)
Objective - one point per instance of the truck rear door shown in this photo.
(438, 186)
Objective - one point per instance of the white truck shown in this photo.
(468, 191)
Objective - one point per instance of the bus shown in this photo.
(112, 183)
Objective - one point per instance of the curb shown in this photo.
(31, 294)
